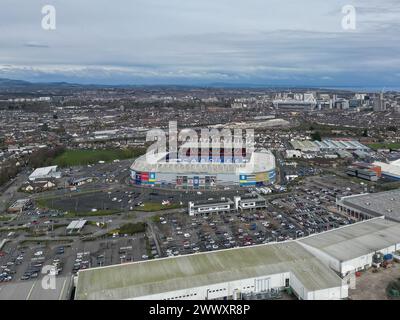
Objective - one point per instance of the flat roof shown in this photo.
(139, 279)
(355, 240)
(76, 224)
(377, 204)
(212, 202)
(42, 171)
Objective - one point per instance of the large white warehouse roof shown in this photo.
(353, 241)
(140, 279)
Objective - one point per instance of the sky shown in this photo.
(202, 42)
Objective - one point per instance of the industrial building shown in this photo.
(206, 171)
(230, 274)
(351, 248)
(329, 145)
(391, 170)
(20, 205)
(362, 173)
(371, 205)
(45, 173)
(310, 266)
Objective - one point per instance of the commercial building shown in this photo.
(328, 145)
(370, 205)
(390, 170)
(226, 205)
(351, 248)
(304, 145)
(379, 103)
(332, 145)
(220, 274)
(19, 205)
(250, 201)
(206, 171)
(361, 173)
(211, 206)
(45, 173)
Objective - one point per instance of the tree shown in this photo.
(316, 136)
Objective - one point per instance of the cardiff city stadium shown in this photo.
(205, 172)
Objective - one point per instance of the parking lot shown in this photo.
(41, 239)
(309, 209)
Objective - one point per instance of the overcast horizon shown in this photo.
(187, 42)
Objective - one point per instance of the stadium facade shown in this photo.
(206, 170)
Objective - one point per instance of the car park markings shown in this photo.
(62, 289)
(30, 291)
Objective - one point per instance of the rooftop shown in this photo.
(376, 204)
(259, 162)
(139, 279)
(212, 202)
(356, 240)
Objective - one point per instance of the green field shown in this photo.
(383, 145)
(83, 157)
(154, 207)
(132, 228)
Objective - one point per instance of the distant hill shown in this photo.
(13, 83)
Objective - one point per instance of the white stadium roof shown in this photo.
(259, 162)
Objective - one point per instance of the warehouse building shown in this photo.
(205, 171)
(390, 170)
(366, 206)
(351, 248)
(310, 266)
(224, 274)
(329, 145)
(45, 173)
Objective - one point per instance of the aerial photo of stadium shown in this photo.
(205, 171)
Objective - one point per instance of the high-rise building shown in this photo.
(379, 103)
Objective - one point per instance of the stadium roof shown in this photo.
(140, 279)
(376, 204)
(353, 241)
(259, 162)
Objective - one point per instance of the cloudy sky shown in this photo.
(266, 42)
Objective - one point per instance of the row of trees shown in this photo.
(40, 158)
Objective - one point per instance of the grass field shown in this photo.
(47, 204)
(383, 145)
(132, 228)
(83, 157)
(154, 207)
